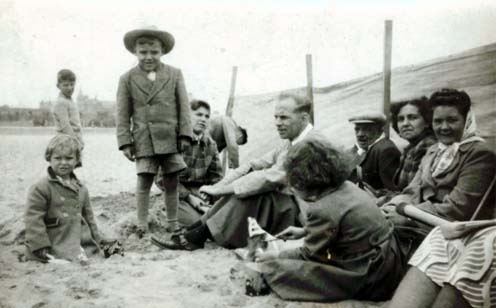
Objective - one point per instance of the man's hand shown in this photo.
(198, 203)
(207, 191)
(261, 256)
(291, 233)
(42, 254)
(184, 143)
(128, 151)
(390, 212)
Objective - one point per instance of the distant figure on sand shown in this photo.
(349, 249)
(257, 189)
(376, 158)
(153, 121)
(228, 135)
(203, 164)
(65, 111)
(59, 219)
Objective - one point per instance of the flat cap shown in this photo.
(373, 117)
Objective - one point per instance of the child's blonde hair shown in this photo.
(62, 142)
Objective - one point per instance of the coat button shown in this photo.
(65, 215)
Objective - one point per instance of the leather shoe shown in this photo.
(176, 242)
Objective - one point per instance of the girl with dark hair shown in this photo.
(349, 250)
(412, 119)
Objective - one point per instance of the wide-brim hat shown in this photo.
(377, 118)
(163, 36)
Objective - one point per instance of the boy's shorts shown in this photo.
(170, 163)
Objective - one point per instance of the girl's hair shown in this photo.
(422, 104)
(65, 75)
(63, 142)
(453, 98)
(315, 163)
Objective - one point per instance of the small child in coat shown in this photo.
(349, 250)
(65, 111)
(153, 123)
(58, 212)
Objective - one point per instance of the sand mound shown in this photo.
(144, 277)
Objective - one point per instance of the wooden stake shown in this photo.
(388, 44)
(310, 85)
(230, 102)
(229, 111)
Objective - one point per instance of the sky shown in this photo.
(266, 40)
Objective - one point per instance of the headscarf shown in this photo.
(446, 153)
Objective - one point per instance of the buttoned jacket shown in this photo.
(456, 193)
(151, 115)
(55, 215)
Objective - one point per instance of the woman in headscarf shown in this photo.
(453, 178)
(455, 172)
(412, 120)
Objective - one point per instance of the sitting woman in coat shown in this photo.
(349, 250)
(412, 120)
(454, 173)
(449, 271)
(59, 219)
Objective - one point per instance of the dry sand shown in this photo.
(144, 277)
(148, 277)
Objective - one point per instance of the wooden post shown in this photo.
(229, 111)
(230, 102)
(388, 44)
(310, 85)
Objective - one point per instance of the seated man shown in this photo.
(257, 189)
(227, 134)
(376, 157)
(203, 168)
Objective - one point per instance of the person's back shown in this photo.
(227, 134)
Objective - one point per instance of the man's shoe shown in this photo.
(176, 242)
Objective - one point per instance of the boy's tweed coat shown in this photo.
(58, 216)
(151, 115)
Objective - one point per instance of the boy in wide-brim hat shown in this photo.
(153, 121)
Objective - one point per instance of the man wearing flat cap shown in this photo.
(153, 121)
(376, 158)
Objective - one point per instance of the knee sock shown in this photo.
(143, 198)
(171, 202)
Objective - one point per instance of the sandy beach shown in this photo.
(145, 276)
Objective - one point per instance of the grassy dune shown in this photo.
(473, 71)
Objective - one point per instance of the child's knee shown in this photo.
(170, 181)
(145, 181)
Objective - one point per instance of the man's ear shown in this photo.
(306, 117)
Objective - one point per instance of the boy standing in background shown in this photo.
(153, 122)
(65, 111)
